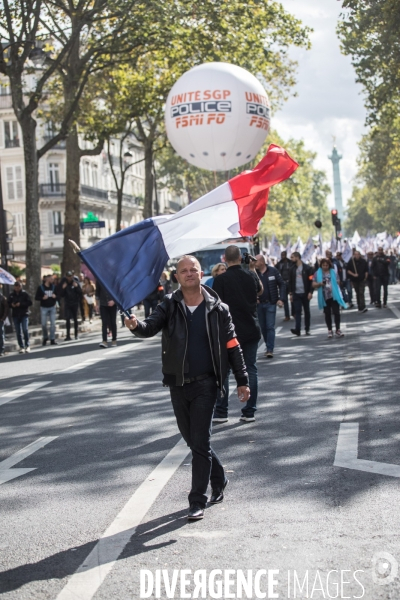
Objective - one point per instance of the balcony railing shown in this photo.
(52, 189)
(12, 143)
(91, 192)
(137, 200)
(5, 101)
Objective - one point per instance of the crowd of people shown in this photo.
(288, 283)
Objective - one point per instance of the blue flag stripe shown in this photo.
(129, 263)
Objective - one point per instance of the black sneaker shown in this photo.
(220, 419)
(308, 333)
(217, 495)
(365, 310)
(44, 342)
(196, 511)
(295, 331)
(53, 343)
(67, 339)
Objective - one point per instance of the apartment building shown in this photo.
(97, 190)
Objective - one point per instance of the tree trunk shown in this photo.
(70, 260)
(119, 208)
(148, 180)
(33, 258)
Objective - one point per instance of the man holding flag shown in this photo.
(129, 265)
(199, 345)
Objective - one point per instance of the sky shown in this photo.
(329, 101)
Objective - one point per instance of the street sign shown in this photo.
(92, 224)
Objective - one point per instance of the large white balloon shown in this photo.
(217, 116)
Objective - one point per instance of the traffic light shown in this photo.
(334, 214)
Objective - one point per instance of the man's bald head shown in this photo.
(184, 259)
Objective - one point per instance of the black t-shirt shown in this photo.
(238, 289)
(198, 354)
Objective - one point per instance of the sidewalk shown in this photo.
(35, 332)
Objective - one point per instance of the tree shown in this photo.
(105, 34)
(369, 32)
(375, 202)
(255, 35)
(20, 27)
(71, 40)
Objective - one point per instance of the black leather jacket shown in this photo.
(169, 316)
(307, 279)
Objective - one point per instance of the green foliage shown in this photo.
(375, 202)
(16, 270)
(56, 269)
(296, 203)
(255, 35)
(369, 32)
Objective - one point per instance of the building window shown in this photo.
(14, 183)
(11, 134)
(19, 225)
(4, 89)
(54, 176)
(86, 173)
(58, 227)
(49, 132)
(95, 178)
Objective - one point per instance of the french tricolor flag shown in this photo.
(129, 263)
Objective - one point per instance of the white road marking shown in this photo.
(79, 366)
(6, 473)
(347, 452)
(394, 310)
(26, 389)
(85, 582)
(277, 330)
(103, 356)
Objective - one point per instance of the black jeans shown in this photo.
(359, 288)
(332, 307)
(301, 301)
(193, 405)
(71, 312)
(371, 287)
(379, 282)
(149, 306)
(108, 316)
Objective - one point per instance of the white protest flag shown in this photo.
(333, 247)
(275, 248)
(347, 252)
(288, 249)
(319, 249)
(308, 251)
(355, 239)
(389, 241)
(381, 236)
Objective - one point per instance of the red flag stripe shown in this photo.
(250, 189)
